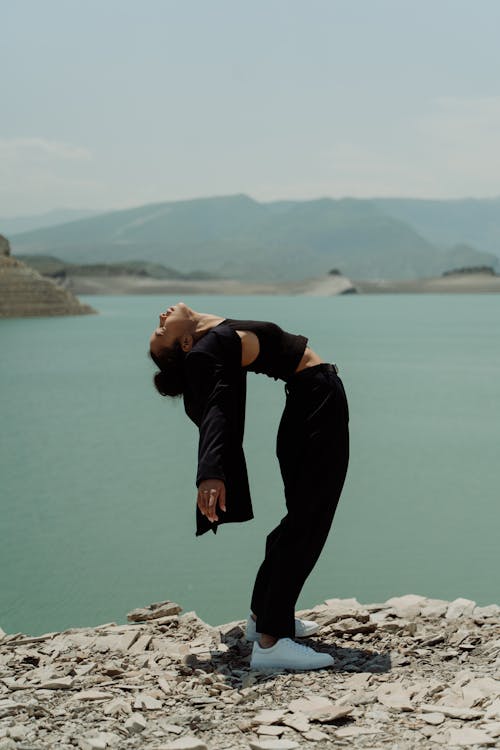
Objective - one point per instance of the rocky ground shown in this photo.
(409, 673)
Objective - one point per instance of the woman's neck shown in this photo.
(204, 322)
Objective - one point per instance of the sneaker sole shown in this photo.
(268, 667)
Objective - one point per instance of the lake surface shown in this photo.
(97, 471)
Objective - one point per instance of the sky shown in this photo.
(114, 103)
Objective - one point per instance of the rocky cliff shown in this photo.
(24, 293)
(409, 673)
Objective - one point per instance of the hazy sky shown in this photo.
(113, 103)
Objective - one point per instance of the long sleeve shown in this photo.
(214, 399)
(212, 408)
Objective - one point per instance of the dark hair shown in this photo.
(169, 381)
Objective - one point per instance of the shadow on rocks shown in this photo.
(356, 660)
(236, 660)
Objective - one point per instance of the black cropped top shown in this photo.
(280, 352)
(214, 399)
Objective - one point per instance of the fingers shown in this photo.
(202, 501)
(213, 494)
(222, 498)
(207, 503)
(208, 497)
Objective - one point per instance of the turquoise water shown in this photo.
(97, 471)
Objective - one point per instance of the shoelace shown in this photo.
(301, 647)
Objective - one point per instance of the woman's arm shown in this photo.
(213, 401)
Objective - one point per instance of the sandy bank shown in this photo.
(410, 672)
(326, 286)
(473, 283)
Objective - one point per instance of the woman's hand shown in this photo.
(211, 492)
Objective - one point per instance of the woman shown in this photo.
(205, 359)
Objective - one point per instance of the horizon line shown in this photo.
(218, 196)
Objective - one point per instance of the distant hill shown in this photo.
(38, 221)
(450, 222)
(48, 265)
(238, 237)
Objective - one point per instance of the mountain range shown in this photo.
(238, 237)
(17, 224)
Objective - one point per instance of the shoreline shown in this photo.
(473, 283)
(327, 286)
(414, 671)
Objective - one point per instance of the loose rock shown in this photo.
(184, 743)
(135, 724)
(468, 736)
(273, 745)
(153, 611)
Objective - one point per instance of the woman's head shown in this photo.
(177, 326)
(168, 345)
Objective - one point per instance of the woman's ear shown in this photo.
(187, 343)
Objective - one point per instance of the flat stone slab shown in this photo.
(273, 744)
(269, 716)
(184, 743)
(153, 611)
(468, 736)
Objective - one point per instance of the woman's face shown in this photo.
(175, 323)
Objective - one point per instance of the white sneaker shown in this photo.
(286, 654)
(303, 629)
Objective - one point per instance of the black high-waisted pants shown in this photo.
(313, 452)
